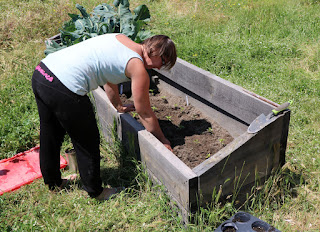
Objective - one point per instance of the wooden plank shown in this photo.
(223, 94)
(106, 113)
(185, 212)
(246, 156)
(129, 134)
(284, 137)
(127, 127)
(176, 176)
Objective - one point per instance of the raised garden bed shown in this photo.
(232, 108)
(193, 136)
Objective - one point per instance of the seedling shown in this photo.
(195, 115)
(134, 114)
(221, 141)
(208, 155)
(196, 141)
(168, 118)
(152, 92)
(164, 99)
(210, 130)
(154, 108)
(180, 127)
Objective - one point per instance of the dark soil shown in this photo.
(193, 137)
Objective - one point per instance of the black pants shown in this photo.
(62, 111)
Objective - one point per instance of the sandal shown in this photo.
(108, 192)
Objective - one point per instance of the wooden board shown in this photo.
(179, 179)
(247, 157)
(107, 114)
(127, 127)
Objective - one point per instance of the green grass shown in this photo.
(268, 47)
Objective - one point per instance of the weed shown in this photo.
(168, 118)
(152, 92)
(210, 130)
(181, 127)
(134, 114)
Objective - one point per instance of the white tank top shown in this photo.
(94, 62)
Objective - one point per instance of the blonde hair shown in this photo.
(161, 45)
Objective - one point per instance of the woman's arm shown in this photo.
(112, 92)
(140, 91)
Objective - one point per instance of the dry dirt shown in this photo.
(193, 137)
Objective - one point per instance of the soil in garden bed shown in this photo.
(193, 137)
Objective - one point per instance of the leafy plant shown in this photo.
(134, 114)
(175, 107)
(152, 92)
(210, 130)
(164, 98)
(181, 127)
(104, 19)
(168, 118)
(196, 141)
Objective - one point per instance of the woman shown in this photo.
(61, 82)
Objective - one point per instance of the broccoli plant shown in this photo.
(104, 19)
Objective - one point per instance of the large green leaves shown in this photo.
(104, 19)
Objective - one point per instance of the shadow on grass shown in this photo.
(119, 167)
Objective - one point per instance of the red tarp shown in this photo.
(21, 169)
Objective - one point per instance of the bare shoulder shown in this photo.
(126, 41)
(123, 38)
(135, 67)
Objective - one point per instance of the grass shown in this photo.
(269, 47)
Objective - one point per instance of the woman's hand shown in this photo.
(126, 108)
(167, 144)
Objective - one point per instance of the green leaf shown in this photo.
(52, 46)
(142, 35)
(141, 13)
(125, 3)
(82, 11)
(116, 3)
(74, 17)
(102, 9)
